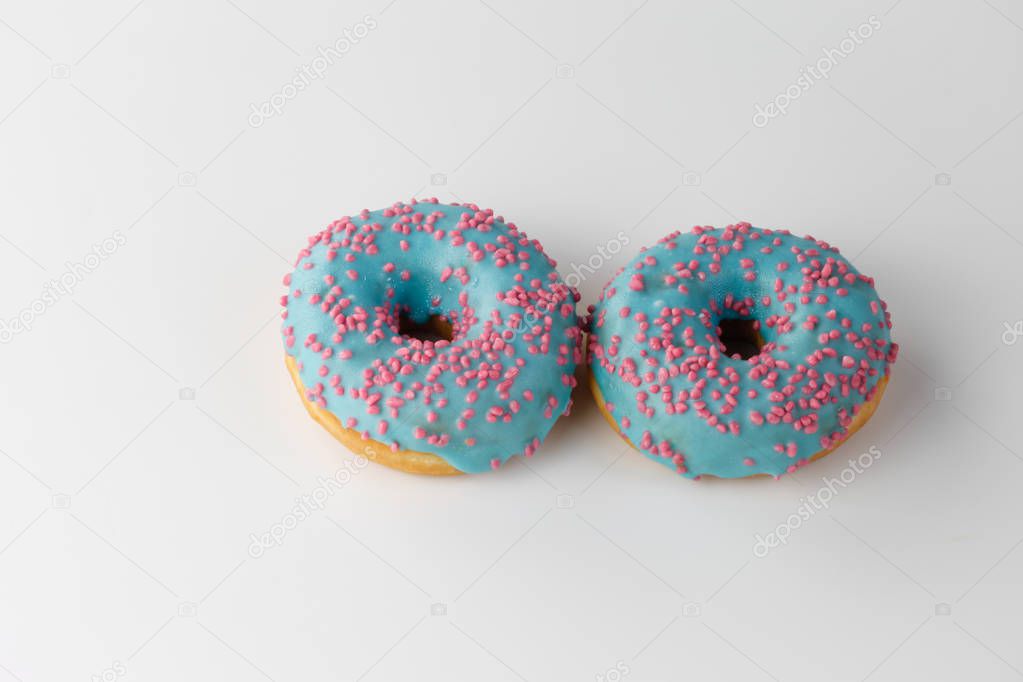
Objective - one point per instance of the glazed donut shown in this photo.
(432, 338)
(738, 351)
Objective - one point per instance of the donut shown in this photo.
(435, 339)
(738, 351)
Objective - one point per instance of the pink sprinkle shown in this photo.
(637, 283)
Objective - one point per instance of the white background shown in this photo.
(126, 507)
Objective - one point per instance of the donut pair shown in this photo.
(440, 339)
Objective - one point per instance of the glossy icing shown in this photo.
(492, 392)
(657, 359)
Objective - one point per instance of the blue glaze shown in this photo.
(516, 333)
(826, 392)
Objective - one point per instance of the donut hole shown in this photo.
(433, 328)
(740, 337)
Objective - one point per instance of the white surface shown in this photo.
(652, 130)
